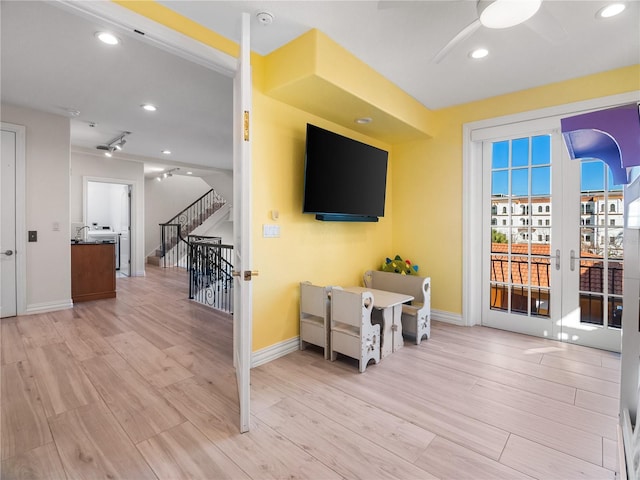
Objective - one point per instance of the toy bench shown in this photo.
(416, 316)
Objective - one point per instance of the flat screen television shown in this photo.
(344, 180)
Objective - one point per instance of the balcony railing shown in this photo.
(530, 292)
(210, 266)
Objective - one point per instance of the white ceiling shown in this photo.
(51, 61)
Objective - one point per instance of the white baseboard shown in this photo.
(265, 355)
(447, 317)
(45, 307)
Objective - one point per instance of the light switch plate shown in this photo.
(270, 231)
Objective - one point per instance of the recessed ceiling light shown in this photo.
(166, 152)
(108, 38)
(363, 120)
(611, 10)
(479, 53)
(189, 173)
(149, 107)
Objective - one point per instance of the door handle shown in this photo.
(247, 274)
(8, 253)
(572, 261)
(557, 259)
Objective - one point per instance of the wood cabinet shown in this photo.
(93, 271)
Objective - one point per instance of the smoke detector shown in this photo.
(265, 18)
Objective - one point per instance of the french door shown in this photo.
(552, 240)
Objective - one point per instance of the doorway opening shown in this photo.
(107, 218)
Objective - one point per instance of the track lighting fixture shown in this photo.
(115, 144)
(167, 174)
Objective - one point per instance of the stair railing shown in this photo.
(210, 266)
(174, 247)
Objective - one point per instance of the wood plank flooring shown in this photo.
(142, 387)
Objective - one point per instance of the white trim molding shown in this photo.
(129, 23)
(275, 351)
(447, 317)
(44, 307)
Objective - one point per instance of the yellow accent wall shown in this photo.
(427, 188)
(317, 75)
(325, 253)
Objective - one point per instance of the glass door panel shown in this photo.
(598, 226)
(520, 293)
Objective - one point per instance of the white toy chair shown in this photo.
(314, 316)
(352, 333)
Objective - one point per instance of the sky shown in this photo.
(532, 157)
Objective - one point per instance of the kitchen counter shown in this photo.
(93, 270)
(91, 242)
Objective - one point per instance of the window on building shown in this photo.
(504, 210)
(539, 222)
(587, 221)
(546, 209)
(612, 222)
(546, 238)
(494, 209)
(612, 240)
(539, 238)
(504, 222)
(546, 222)
(587, 238)
(494, 221)
(612, 208)
(539, 208)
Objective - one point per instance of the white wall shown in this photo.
(165, 199)
(107, 205)
(48, 261)
(86, 166)
(630, 365)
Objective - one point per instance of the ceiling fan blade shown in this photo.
(547, 26)
(463, 34)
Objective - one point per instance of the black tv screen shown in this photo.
(344, 180)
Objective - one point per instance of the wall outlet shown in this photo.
(33, 235)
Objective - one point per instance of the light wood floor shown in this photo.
(142, 387)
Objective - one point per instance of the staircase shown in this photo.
(175, 231)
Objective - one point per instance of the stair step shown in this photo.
(153, 260)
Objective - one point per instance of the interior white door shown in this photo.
(8, 280)
(242, 304)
